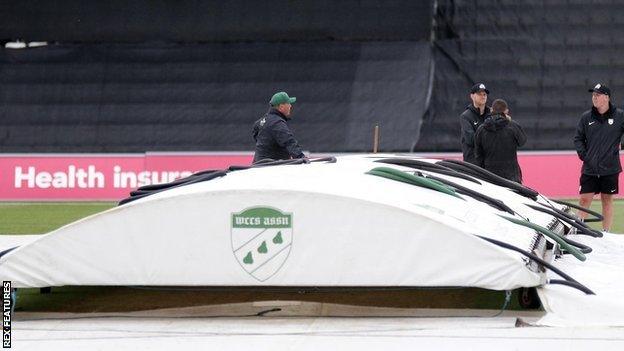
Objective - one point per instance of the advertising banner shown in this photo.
(99, 176)
(83, 177)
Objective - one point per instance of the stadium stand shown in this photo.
(541, 56)
(197, 78)
(95, 90)
(115, 98)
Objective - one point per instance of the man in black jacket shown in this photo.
(597, 141)
(274, 140)
(497, 141)
(474, 115)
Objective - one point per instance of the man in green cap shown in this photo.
(274, 140)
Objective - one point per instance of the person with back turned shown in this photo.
(474, 115)
(274, 139)
(597, 142)
(497, 141)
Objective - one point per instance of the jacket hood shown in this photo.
(496, 122)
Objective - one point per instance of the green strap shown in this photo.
(569, 248)
(395, 174)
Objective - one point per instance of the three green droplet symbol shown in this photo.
(277, 239)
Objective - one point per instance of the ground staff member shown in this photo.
(474, 115)
(274, 140)
(597, 142)
(497, 141)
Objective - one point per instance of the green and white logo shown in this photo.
(261, 240)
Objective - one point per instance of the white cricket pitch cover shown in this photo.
(317, 224)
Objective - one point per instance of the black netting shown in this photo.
(175, 97)
(138, 21)
(540, 56)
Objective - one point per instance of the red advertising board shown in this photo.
(99, 176)
(41, 177)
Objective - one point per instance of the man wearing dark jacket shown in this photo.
(497, 141)
(274, 140)
(474, 115)
(597, 141)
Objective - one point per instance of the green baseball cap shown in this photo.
(282, 98)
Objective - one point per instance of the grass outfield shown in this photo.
(42, 217)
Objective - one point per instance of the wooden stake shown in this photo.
(376, 139)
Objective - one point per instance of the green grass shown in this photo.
(38, 217)
(42, 217)
(618, 214)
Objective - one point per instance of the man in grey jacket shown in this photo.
(597, 141)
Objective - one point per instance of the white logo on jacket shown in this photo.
(610, 121)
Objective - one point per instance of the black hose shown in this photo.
(203, 178)
(269, 162)
(524, 190)
(564, 213)
(265, 160)
(241, 167)
(582, 229)
(572, 284)
(143, 192)
(582, 247)
(2, 253)
(295, 161)
(552, 235)
(432, 167)
(572, 217)
(598, 216)
(496, 203)
(536, 259)
(134, 197)
(151, 187)
(481, 173)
